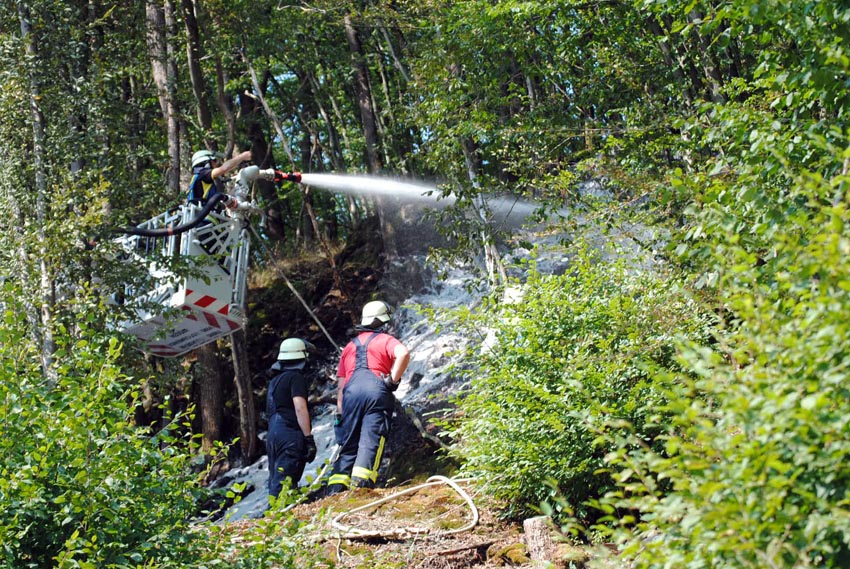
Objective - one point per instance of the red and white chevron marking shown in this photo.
(211, 319)
(162, 350)
(197, 327)
(206, 302)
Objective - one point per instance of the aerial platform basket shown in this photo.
(175, 314)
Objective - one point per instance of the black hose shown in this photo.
(168, 231)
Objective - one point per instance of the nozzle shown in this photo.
(229, 201)
(287, 177)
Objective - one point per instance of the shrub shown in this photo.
(758, 467)
(80, 484)
(278, 540)
(759, 476)
(756, 470)
(579, 353)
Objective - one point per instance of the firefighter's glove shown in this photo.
(388, 381)
(309, 449)
(338, 432)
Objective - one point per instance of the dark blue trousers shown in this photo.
(285, 448)
(367, 408)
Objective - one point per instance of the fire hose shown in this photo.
(403, 533)
(178, 229)
(350, 532)
(277, 176)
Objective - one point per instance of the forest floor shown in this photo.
(421, 526)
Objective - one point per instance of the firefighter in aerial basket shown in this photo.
(370, 370)
(207, 174)
(289, 443)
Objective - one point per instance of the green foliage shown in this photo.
(577, 355)
(81, 485)
(274, 541)
(757, 464)
(752, 473)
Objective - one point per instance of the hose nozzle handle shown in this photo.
(280, 176)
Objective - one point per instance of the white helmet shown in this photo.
(202, 157)
(375, 309)
(292, 349)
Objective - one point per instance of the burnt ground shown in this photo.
(410, 530)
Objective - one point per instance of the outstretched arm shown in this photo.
(229, 165)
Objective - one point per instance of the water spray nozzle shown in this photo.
(287, 177)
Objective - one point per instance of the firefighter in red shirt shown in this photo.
(370, 369)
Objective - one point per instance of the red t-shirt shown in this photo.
(379, 356)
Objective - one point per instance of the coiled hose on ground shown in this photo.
(402, 533)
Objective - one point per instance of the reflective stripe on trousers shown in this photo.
(367, 407)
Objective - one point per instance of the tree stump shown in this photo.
(538, 539)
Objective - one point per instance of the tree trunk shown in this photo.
(157, 43)
(211, 384)
(391, 47)
(173, 119)
(538, 540)
(238, 345)
(305, 236)
(369, 123)
(364, 96)
(340, 151)
(339, 120)
(209, 395)
(669, 59)
(711, 69)
(225, 105)
(249, 443)
(194, 53)
(47, 296)
(492, 258)
(384, 129)
(334, 151)
(264, 157)
(337, 277)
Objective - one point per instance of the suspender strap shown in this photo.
(360, 361)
